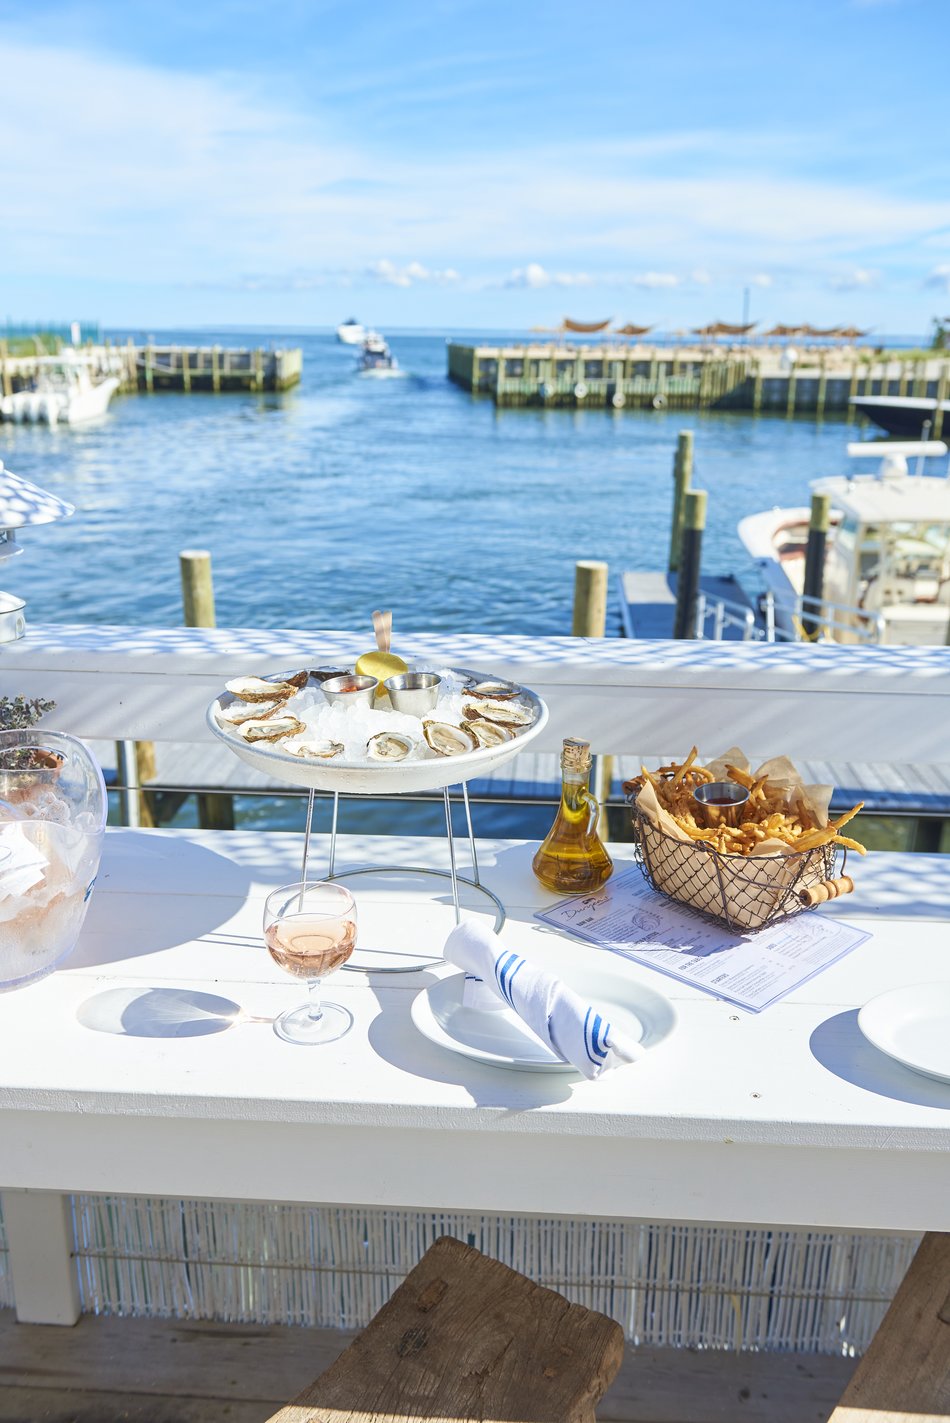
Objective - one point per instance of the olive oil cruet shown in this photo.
(572, 858)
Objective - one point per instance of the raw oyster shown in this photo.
(388, 746)
(323, 674)
(274, 728)
(239, 712)
(504, 713)
(489, 733)
(448, 740)
(257, 689)
(316, 750)
(499, 690)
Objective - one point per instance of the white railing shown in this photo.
(808, 700)
(786, 619)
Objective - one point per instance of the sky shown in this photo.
(474, 164)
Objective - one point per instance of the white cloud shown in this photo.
(939, 278)
(858, 279)
(412, 273)
(700, 276)
(535, 277)
(761, 279)
(655, 280)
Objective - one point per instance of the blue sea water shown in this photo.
(349, 493)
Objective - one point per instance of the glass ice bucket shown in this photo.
(52, 820)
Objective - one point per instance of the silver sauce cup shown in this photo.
(350, 690)
(414, 693)
(721, 803)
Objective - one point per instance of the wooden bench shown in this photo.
(465, 1337)
(905, 1375)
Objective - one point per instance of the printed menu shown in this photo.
(750, 970)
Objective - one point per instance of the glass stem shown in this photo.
(315, 1003)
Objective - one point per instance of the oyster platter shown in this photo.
(345, 729)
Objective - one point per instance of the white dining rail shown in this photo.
(830, 702)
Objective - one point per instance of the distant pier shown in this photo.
(618, 377)
(181, 368)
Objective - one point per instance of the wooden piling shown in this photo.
(690, 561)
(790, 398)
(197, 588)
(590, 599)
(258, 369)
(215, 370)
(7, 378)
(149, 372)
(682, 479)
(757, 389)
(215, 812)
(822, 383)
(942, 383)
(813, 587)
(185, 370)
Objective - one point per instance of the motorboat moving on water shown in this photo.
(68, 389)
(887, 559)
(376, 359)
(351, 332)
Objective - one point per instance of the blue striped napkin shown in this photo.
(498, 978)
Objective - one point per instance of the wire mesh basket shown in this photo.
(746, 892)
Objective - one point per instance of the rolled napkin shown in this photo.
(572, 1028)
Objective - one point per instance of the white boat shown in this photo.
(68, 390)
(376, 359)
(888, 551)
(351, 332)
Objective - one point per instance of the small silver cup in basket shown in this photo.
(720, 803)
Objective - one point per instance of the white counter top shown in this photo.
(787, 1117)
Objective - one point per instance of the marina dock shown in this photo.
(635, 377)
(169, 367)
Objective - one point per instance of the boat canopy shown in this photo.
(723, 328)
(585, 328)
(901, 499)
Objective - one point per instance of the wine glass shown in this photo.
(310, 930)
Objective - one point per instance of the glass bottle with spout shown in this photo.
(572, 858)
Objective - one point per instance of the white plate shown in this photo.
(429, 775)
(501, 1039)
(912, 1025)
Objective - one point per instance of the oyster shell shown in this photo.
(274, 728)
(317, 750)
(323, 674)
(498, 690)
(489, 733)
(257, 689)
(448, 740)
(504, 713)
(239, 712)
(388, 746)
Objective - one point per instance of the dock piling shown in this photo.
(682, 479)
(690, 561)
(215, 812)
(590, 599)
(813, 587)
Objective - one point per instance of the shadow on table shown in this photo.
(841, 1047)
(193, 915)
(393, 1035)
(159, 1013)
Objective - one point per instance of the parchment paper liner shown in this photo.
(744, 889)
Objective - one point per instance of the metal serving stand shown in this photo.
(399, 779)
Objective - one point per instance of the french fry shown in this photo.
(681, 770)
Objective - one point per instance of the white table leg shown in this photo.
(40, 1240)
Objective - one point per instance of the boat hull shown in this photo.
(902, 416)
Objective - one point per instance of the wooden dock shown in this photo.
(179, 368)
(625, 377)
